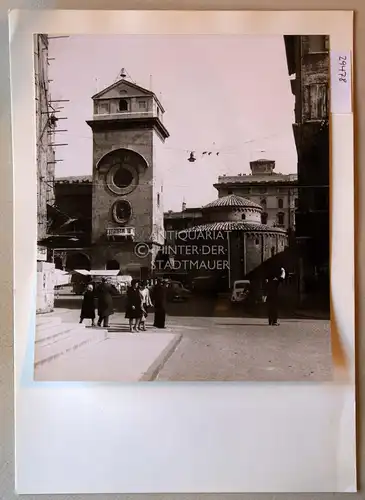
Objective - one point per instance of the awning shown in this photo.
(101, 272)
(105, 272)
(83, 272)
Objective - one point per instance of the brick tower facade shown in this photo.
(127, 205)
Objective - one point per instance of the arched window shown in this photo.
(77, 260)
(123, 105)
(264, 218)
(158, 199)
(281, 218)
(280, 203)
(112, 264)
(263, 202)
(243, 216)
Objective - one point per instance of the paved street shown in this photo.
(233, 348)
(248, 349)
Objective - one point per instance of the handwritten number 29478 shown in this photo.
(342, 73)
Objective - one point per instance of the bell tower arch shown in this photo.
(127, 207)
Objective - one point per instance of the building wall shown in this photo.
(268, 197)
(44, 136)
(233, 254)
(140, 104)
(308, 62)
(235, 215)
(141, 199)
(159, 166)
(129, 262)
(45, 287)
(74, 199)
(45, 158)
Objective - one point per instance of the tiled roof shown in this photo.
(232, 200)
(74, 179)
(235, 226)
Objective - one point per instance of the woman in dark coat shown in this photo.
(88, 305)
(159, 301)
(105, 303)
(272, 299)
(133, 310)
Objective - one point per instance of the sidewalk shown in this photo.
(121, 357)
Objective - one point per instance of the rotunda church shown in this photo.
(230, 242)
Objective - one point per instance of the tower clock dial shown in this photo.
(122, 178)
(123, 169)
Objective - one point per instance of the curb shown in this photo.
(152, 372)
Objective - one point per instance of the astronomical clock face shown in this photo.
(122, 176)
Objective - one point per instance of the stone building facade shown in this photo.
(308, 67)
(127, 188)
(276, 193)
(45, 158)
(228, 243)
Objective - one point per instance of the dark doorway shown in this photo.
(78, 261)
(58, 263)
(112, 265)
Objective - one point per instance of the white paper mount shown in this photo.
(341, 83)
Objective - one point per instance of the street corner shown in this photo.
(172, 341)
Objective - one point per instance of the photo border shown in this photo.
(319, 419)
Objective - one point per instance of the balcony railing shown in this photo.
(121, 232)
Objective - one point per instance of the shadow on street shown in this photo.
(199, 306)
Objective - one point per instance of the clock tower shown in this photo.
(127, 205)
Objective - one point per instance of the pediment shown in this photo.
(122, 89)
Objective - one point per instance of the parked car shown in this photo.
(240, 291)
(204, 285)
(176, 292)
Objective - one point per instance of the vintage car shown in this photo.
(176, 292)
(240, 291)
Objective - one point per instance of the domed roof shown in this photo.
(233, 201)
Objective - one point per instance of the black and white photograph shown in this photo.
(183, 208)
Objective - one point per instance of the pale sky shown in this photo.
(223, 93)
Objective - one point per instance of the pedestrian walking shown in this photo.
(105, 303)
(282, 275)
(134, 306)
(146, 304)
(272, 299)
(159, 301)
(88, 305)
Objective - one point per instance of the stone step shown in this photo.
(57, 331)
(54, 331)
(69, 340)
(46, 322)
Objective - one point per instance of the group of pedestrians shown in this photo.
(140, 297)
(103, 296)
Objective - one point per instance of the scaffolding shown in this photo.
(47, 117)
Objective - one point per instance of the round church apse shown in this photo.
(122, 170)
